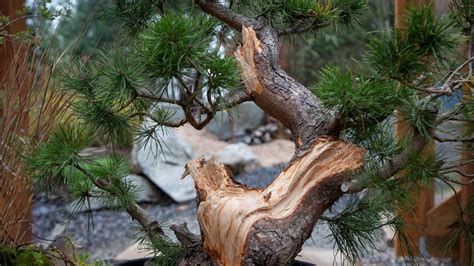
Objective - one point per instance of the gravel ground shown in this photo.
(113, 231)
(108, 232)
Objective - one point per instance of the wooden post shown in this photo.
(467, 191)
(9, 48)
(424, 197)
(466, 194)
(15, 196)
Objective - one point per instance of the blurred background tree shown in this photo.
(87, 28)
(339, 44)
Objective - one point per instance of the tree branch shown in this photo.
(444, 168)
(447, 87)
(391, 167)
(449, 115)
(136, 212)
(440, 139)
(224, 14)
(158, 98)
(234, 99)
(457, 171)
(176, 123)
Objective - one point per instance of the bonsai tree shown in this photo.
(176, 54)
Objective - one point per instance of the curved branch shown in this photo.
(224, 14)
(394, 165)
(136, 212)
(450, 115)
(233, 99)
(176, 123)
(278, 94)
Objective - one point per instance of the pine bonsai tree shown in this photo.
(172, 54)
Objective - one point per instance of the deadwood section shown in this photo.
(244, 226)
(249, 226)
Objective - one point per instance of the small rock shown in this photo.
(238, 157)
(267, 137)
(133, 252)
(272, 128)
(238, 120)
(247, 140)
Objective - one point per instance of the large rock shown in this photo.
(147, 191)
(238, 157)
(162, 160)
(237, 121)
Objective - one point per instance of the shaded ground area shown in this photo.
(111, 232)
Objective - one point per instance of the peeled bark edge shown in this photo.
(240, 225)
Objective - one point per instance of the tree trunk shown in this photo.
(15, 194)
(241, 225)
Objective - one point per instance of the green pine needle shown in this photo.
(173, 44)
(363, 102)
(350, 11)
(430, 35)
(114, 127)
(120, 79)
(50, 161)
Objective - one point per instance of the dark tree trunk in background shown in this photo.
(15, 197)
(10, 47)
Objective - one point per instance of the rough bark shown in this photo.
(143, 218)
(277, 93)
(240, 225)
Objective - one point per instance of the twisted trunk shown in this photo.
(240, 225)
(278, 94)
(245, 226)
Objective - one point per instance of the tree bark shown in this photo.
(246, 226)
(241, 225)
(280, 95)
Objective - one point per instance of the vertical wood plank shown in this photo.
(466, 194)
(424, 197)
(15, 196)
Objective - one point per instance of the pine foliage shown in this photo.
(283, 14)
(396, 72)
(175, 55)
